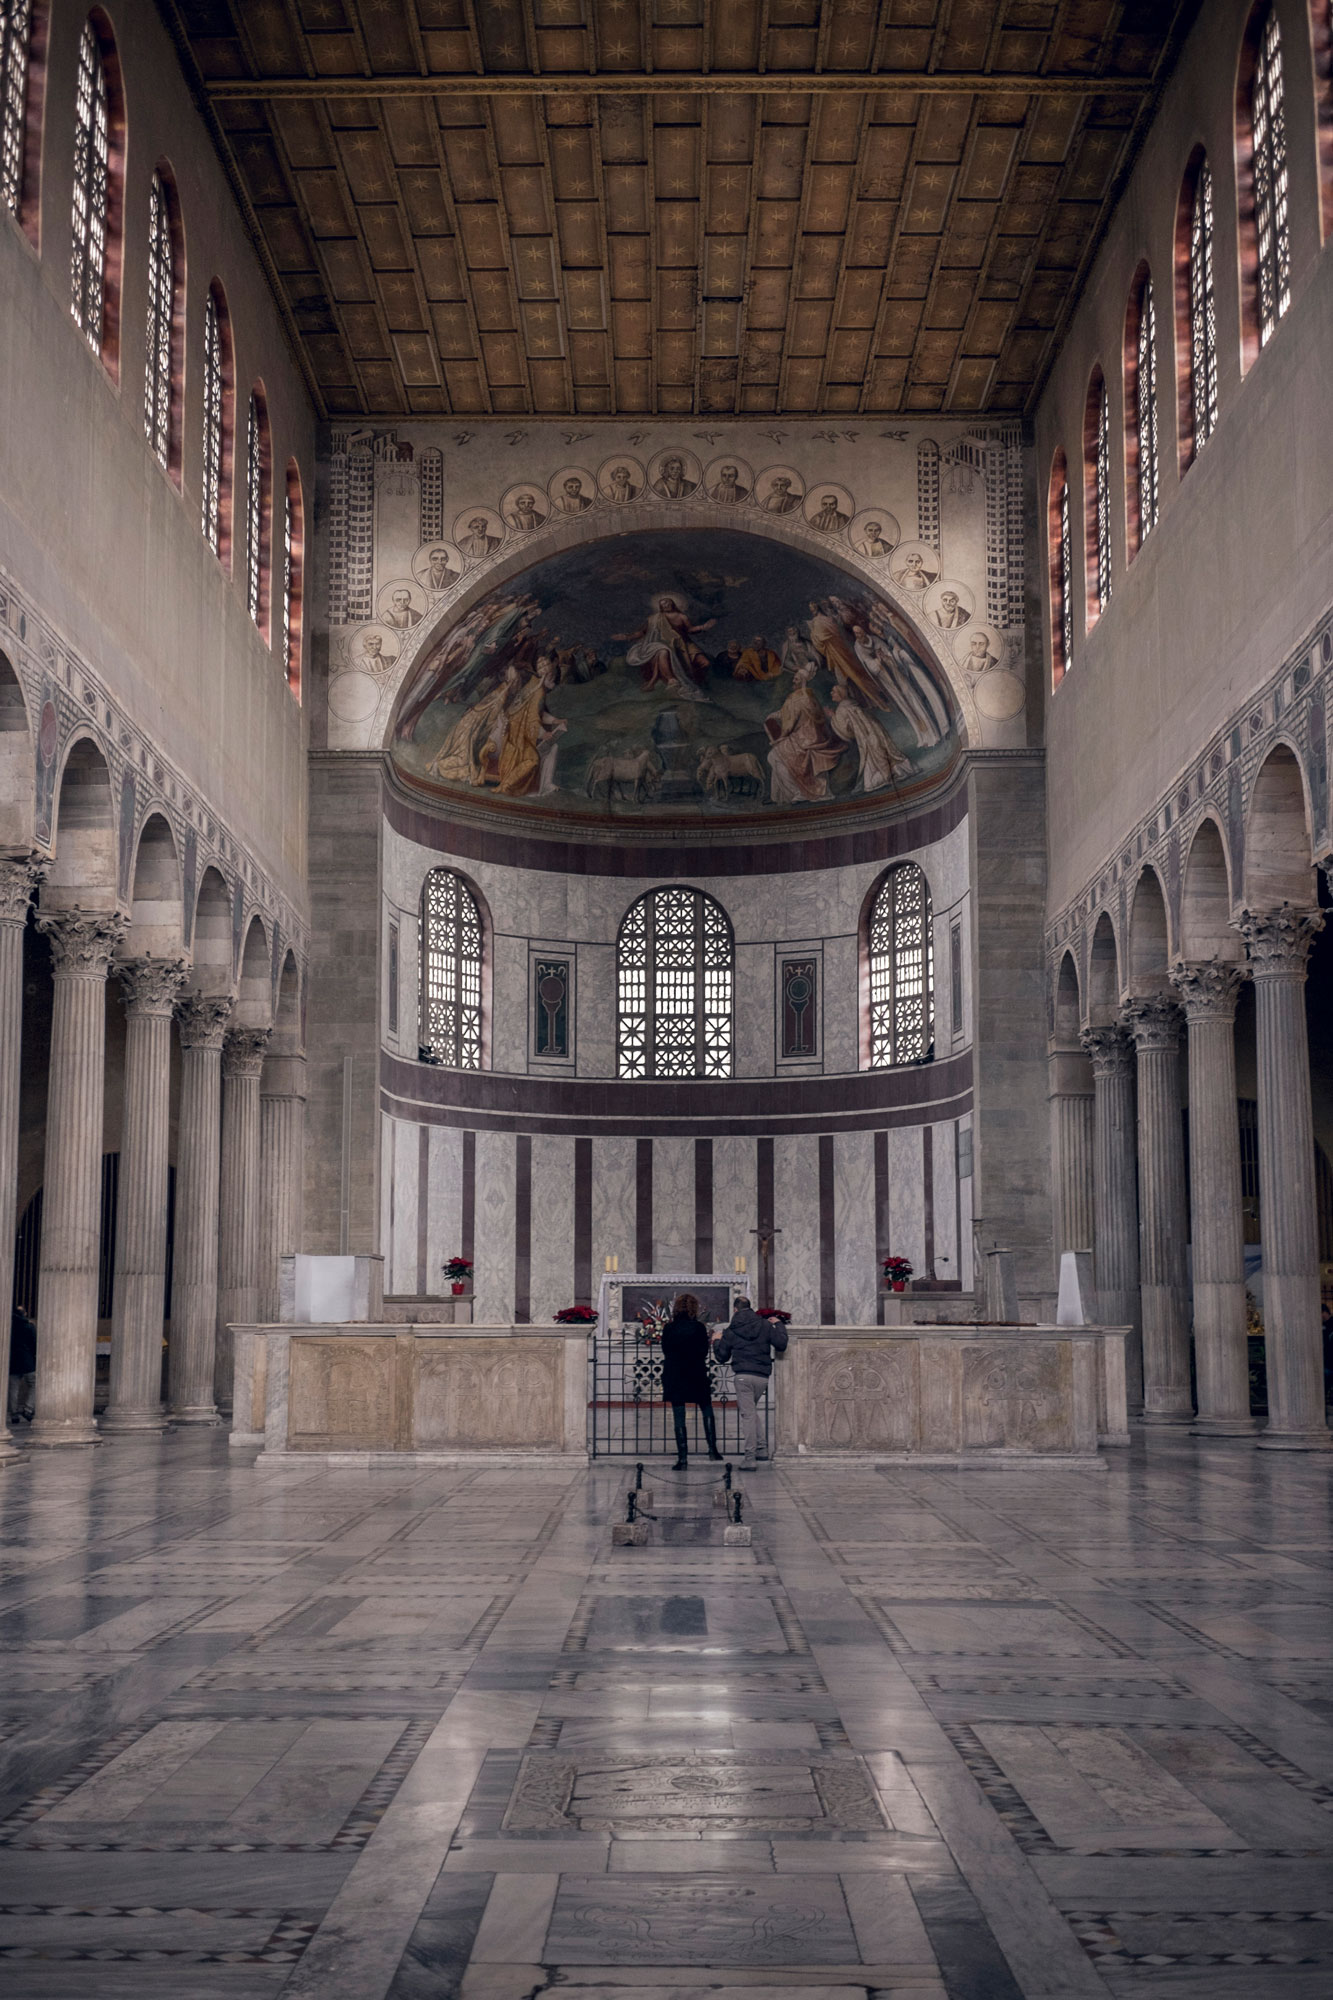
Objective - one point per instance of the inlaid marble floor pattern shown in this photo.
(424, 1734)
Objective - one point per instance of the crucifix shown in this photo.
(765, 1235)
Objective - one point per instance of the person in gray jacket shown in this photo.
(749, 1344)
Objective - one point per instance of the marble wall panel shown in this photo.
(1019, 1395)
(613, 1186)
(444, 1228)
(944, 1157)
(509, 1002)
(493, 1304)
(796, 1214)
(859, 1397)
(857, 1270)
(673, 1204)
(595, 1002)
(907, 1226)
(754, 1010)
(340, 1394)
(400, 1265)
(489, 1393)
(967, 1247)
(842, 986)
(552, 1281)
(734, 1212)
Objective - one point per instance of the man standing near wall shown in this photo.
(749, 1344)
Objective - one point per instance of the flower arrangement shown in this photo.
(653, 1318)
(576, 1316)
(897, 1270)
(458, 1270)
(773, 1312)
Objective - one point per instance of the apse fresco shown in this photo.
(696, 672)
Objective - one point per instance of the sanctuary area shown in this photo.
(666, 999)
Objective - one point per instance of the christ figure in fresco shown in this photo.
(664, 648)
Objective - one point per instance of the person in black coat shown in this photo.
(685, 1344)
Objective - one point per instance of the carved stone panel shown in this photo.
(1018, 1396)
(498, 1393)
(340, 1395)
(862, 1396)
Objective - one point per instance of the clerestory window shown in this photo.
(902, 970)
(675, 960)
(451, 949)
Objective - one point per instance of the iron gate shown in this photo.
(626, 1415)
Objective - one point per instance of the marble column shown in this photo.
(281, 1170)
(1208, 994)
(82, 943)
(151, 987)
(20, 875)
(202, 1023)
(1154, 1024)
(238, 1198)
(1278, 943)
(1072, 1122)
(1115, 1233)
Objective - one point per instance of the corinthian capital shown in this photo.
(1278, 941)
(1109, 1051)
(151, 985)
(202, 1019)
(1154, 1022)
(82, 941)
(20, 878)
(243, 1051)
(1208, 992)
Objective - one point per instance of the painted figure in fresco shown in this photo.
(949, 614)
(780, 499)
(832, 641)
(571, 499)
(671, 483)
(479, 541)
(622, 485)
(803, 753)
(470, 753)
(372, 652)
(757, 661)
(439, 576)
(728, 490)
(797, 651)
(478, 647)
(829, 517)
(912, 573)
(979, 658)
(664, 648)
(525, 514)
(880, 756)
(905, 682)
(532, 737)
(873, 542)
(401, 616)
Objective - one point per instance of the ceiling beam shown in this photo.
(674, 83)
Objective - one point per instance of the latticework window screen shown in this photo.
(1203, 311)
(902, 970)
(161, 302)
(1102, 476)
(254, 510)
(451, 942)
(1268, 126)
(675, 967)
(1066, 580)
(211, 513)
(15, 53)
(92, 147)
(1146, 410)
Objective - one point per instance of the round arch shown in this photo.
(1149, 954)
(1279, 861)
(1104, 982)
(84, 868)
(157, 904)
(212, 936)
(254, 990)
(17, 766)
(1206, 899)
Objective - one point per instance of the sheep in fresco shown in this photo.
(717, 768)
(640, 772)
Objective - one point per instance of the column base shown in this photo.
(46, 1433)
(195, 1413)
(1312, 1440)
(133, 1423)
(238, 1440)
(1224, 1427)
(10, 1453)
(1177, 1417)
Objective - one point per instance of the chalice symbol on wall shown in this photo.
(800, 992)
(551, 993)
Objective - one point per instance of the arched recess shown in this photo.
(212, 936)
(1149, 952)
(1205, 909)
(16, 764)
(254, 992)
(1278, 863)
(288, 1035)
(1103, 975)
(83, 872)
(1068, 1013)
(157, 911)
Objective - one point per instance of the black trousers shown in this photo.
(706, 1417)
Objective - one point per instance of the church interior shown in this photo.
(574, 575)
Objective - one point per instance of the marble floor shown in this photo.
(424, 1733)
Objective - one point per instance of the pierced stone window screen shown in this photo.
(15, 55)
(161, 308)
(1203, 311)
(1103, 485)
(1066, 580)
(675, 962)
(215, 392)
(92, 166)
(257, 507)
(293, 576)
(1060, 562)
(1269, 140)
(1145, 411)
(451, 942)
(902, 970)
(285, 634)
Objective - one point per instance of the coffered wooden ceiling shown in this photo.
(712, 207)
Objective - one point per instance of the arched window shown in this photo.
(22, 45)
(1321, 44)
(1142, 486)
(258, 509)
(1060, 549)
(215, 513)
(1196, 310)
(450, 971)
(293, 573)
(1097, 498)
(91, 214)
(902, 970)
(674, 975)
(164, 285)
(1262, 177)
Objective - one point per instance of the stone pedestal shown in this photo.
(281, 1171)
(194, 1286)
(1154, 1024)
(238, 1198)
(1115, 1195)
(1221, 1358)
(151, 987)
(1278, 943)
(82, 943)
(19, 879)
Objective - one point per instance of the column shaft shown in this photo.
(81, 946)
(1072, 1122)
(1221, 1350)
(281, 1171)
(18, 879)
(1154, 1023)
(151, 986)
(1115, 1195)
(238, 1199)
(194, 1283)
(1279, 944)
